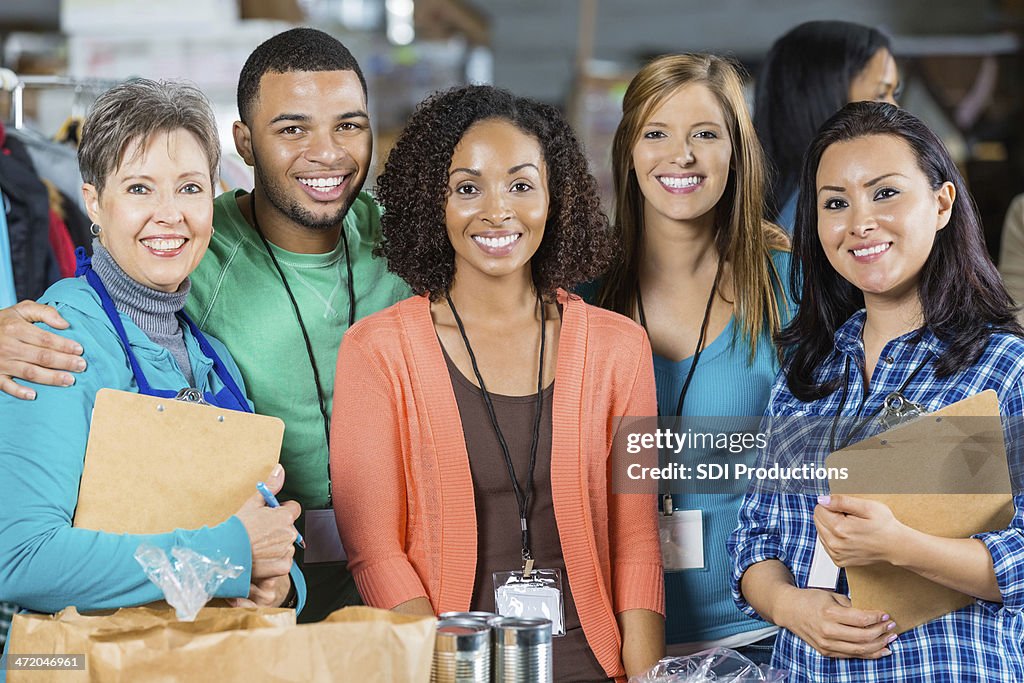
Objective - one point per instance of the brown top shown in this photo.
(499, 542)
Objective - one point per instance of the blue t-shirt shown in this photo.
(726, 385)
(787, 214)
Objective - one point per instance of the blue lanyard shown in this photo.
(230, 397)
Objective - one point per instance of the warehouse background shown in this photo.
(961, 61)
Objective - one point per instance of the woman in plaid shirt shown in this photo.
(897, 295)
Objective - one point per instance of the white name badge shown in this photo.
(538, 597)
(682, 540)
(824, 572)
(323, 543)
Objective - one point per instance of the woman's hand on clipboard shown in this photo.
(857, 531)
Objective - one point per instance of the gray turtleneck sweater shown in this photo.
(152, 310)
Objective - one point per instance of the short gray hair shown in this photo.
(136, 110)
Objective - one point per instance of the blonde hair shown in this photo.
(742, 236)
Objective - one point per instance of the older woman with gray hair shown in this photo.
(149, 156)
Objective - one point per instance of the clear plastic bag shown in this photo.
(717, 665)
(189, 581)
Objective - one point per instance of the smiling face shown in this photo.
(156, 209)
(682, 156)
(310, 144)
(878, 215)
(498, 200)
(878, 81)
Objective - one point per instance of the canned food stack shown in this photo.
(462, 652)
(522, 650)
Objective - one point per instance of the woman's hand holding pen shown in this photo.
(271, 531)
(857, 531)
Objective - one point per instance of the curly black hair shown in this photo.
(413, 189)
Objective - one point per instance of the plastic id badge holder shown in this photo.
(323, 542)
(682, 539)
(539, 596)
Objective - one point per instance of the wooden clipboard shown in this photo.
(967, 458)
(153, 465)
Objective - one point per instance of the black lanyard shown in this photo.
(522, 496)
(700, 337)
(858, 427)
(302, 326)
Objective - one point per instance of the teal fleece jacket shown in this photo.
(45, 563)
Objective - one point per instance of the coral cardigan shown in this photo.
(403, 492)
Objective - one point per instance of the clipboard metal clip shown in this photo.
(191, 395)
(897, 409)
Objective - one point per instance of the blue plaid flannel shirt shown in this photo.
(981, 642)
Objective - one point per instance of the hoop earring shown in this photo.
(95, 230)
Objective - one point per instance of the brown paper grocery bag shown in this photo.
(225, 645)
(70, 633)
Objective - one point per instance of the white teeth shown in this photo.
(322, 183)
(679, 183)
(164, 245)
(877, 249)
(496, 242)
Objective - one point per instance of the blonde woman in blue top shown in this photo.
(898, 295)
(705, 275)
(149, 155)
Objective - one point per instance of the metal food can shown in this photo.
(522, 650)
(485, 617)
(462, 652)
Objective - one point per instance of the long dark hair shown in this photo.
(805, 79)
(962, 296)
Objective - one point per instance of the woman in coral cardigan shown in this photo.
(473, 424)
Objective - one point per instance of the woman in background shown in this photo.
(808, 75)
(1011, 253)
(704, 274)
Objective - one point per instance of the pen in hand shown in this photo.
(271, 501)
